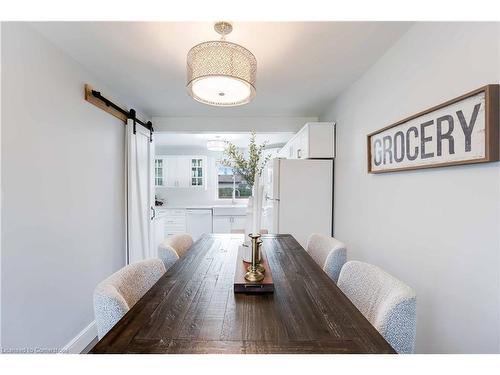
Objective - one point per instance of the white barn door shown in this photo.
(140, 193)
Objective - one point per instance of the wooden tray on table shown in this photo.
(241, 285)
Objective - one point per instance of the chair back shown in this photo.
(116, 295)
(180, 243)
(388, 303)
(167, 254)
(328, 252)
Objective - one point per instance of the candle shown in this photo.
(255, 207)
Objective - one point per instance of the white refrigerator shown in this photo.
(298, 197)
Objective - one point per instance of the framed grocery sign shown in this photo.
(463, 130)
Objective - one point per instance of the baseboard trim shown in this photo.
(81, 341)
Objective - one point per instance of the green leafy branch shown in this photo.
(247, 168)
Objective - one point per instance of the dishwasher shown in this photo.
(198, 222)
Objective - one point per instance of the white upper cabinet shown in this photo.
(180, 171)
(173, 171)
(316, 140)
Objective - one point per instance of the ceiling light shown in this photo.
(221, 73)
(216, 145)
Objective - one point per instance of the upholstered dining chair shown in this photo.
(167, 254)
(116, 295)
(388, 303)
(173, 248)
(328, 252)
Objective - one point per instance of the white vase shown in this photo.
(253, 222)
(256, 206)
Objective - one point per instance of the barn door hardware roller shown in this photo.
(95, 97)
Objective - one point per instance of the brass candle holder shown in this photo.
(253, 274)
(260, 267)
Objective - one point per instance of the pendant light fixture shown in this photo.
(216, 144)
(221, 73)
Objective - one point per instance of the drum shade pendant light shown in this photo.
(216, 144)
(221, 73)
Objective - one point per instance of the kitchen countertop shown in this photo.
(194, 207)
(200, 207)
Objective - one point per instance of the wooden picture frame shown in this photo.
(491, 127)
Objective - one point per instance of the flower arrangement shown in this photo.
(249, 168)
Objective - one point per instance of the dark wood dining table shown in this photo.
(193, 308)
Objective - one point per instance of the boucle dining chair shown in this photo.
(167, 254)
(116, 295)
(328, 252)
(173, 248)
(387, 303)
(181, 243)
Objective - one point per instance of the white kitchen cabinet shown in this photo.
(306, 136)
(175, 221)
(238, 222)
(159, 232)
(283, 152)
(177, 171)
(316, 140)
(226, 224)
(180, 171)
(170, 172)
(195, 221)
(222, 224)
(295, 150)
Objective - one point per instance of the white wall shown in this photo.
(1, 195)
(498, 169)
(231, 124)
(62, 193)
(435, 229)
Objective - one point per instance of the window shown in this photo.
(228, 182)
(159, 172)
(196, 172)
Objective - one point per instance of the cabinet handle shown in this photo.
(153, 213)
(299, 153)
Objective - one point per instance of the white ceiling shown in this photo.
(200, 139)
(302, 66)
